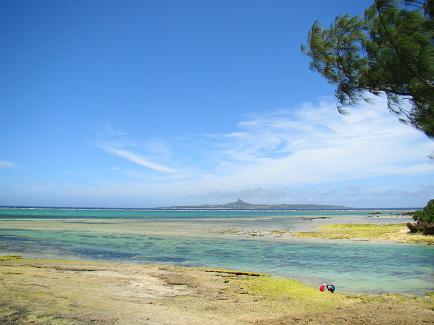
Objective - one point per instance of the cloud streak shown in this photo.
(6, 164)
(138, 159)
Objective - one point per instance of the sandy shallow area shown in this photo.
(398, 233)
(276, 227)
(42, 291)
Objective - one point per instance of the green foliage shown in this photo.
(389, 51)
(427, 214)
(418, 215)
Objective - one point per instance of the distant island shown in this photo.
(242, 205)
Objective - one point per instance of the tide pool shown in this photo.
(192, 241)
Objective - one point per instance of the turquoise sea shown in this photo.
(230, 239)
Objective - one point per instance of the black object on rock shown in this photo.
(331, 288)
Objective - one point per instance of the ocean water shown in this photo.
(212, 238)
(149, 214)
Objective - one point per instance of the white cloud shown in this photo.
(314, 144)
(138, 159)
(309, 153)
(6, 164)
(309, 144)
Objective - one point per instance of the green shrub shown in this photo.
(427, 214)
(418, 215)
(429, 211)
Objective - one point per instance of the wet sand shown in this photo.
(42, 291)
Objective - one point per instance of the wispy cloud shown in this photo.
(313, 144)
(138, 159)
(309, 144)
(6, 164)
(308, 153)
(108, 131)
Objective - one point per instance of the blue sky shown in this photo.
(147, 103)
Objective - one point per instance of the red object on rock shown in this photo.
(322, 287)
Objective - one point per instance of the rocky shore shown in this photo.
(42, 291)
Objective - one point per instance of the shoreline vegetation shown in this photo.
(45, 291)
(370, 232)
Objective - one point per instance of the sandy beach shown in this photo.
(43, 291)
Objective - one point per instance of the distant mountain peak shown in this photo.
(238, 204)
(243, 205)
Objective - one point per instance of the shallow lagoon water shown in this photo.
(200, 240)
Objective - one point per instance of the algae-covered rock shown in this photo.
(10, 257)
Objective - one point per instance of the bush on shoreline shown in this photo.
(424, 220)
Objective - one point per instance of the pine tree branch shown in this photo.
(395, 49)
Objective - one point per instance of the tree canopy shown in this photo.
(427, 214)
(388, 51)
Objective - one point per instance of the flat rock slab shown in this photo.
(42, 291)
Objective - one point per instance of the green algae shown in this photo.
(301, 296)
(10, 258)
(392, 232)
(297, 296)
